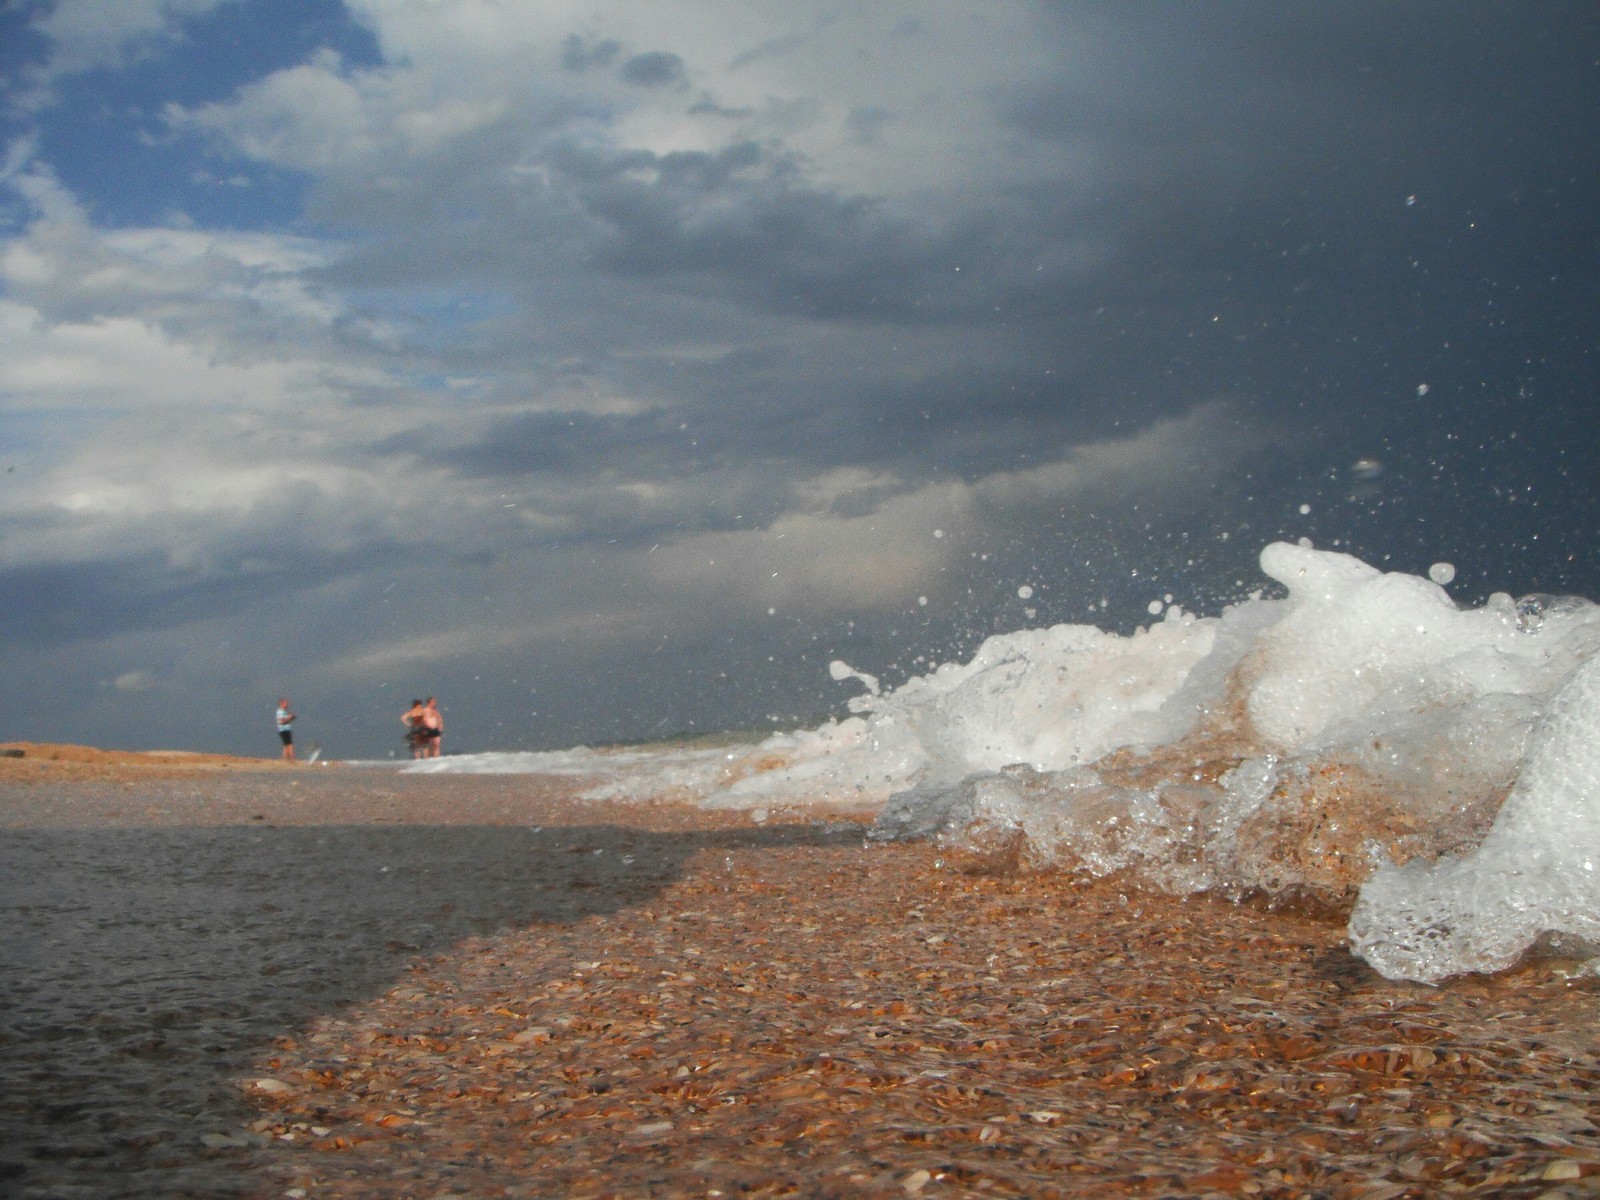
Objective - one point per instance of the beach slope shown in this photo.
(343, 982)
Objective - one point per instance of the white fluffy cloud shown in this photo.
(330, 122)
(86, 34)
(62, 263)
(133, 681)
(886, 99)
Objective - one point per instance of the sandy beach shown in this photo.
(228, 977)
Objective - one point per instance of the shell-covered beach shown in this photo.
(233, 978)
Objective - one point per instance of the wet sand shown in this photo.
(237, 979)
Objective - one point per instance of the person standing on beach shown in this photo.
(412, 720)
(432, 724)
(285, 728)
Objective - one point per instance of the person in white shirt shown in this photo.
(286, 728)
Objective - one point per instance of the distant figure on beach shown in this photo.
(432, 728)
(412, 720)
(285, 728)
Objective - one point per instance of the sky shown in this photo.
(607, 368)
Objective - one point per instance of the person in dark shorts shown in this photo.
(431, 727)
(286, 728)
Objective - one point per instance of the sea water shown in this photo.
(1363, 742)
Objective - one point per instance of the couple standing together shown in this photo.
(424, 728)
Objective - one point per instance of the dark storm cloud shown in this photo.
(742, 224)
(580, 54)
(701, 473)
(654, 69)
(653, 443)
(1345, 204)
(743, 217)
(56, 604)
(737, 415)
(1243, 213)
(1328, 118)
(193, 571)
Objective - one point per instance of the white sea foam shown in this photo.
(1537, 873)
(1357, 738)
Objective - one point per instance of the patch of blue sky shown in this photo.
(20, 43)
(21, 49)
(435, 383)
(39, 434)
(236, 43)
(126, 179)
(438, 318)
(107, 139)
(15, 210)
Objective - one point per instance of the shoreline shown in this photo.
(134, 791)
(428, 984)
(44, 762)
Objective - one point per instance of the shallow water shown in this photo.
(142, 971)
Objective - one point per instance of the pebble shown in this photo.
(1563, 1168)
